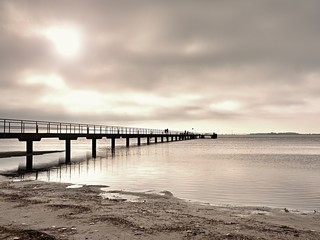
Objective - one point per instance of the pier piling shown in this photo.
(113, 143)
(29, 158)
(94, 147)
(68, 150)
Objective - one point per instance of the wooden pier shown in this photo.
(30, 131)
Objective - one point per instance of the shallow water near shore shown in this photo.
(274, 170)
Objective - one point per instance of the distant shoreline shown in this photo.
(276, 133)
(22, 153)
(272, 134)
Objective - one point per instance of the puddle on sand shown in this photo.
(120, 197)
(75, 186)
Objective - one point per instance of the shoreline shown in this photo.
(23, 153)
(42, 210)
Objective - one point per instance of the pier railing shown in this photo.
(45, 127)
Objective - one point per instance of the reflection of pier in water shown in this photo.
(30, 131)
(80, 165)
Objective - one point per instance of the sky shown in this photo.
(224, 66)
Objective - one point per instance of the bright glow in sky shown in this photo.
(65, 39)
(226, 106)
(49, 80)
(208, 65)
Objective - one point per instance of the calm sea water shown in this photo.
(275, 171)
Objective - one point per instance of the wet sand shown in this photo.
(39, 210)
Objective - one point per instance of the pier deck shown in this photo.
(30, 131)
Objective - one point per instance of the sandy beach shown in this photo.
(40, 210)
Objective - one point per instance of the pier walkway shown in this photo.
(30, 131)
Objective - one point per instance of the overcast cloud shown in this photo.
(225, 66)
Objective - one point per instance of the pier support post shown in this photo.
(156, 139)
(113, 143)
(29, 150)
(139, 141)
(127, 142)
(29, 164)
(94, 147)
(167, 138)
(162, 139)
(148, 140)
(68, 150)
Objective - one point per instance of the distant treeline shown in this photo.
(274, 133)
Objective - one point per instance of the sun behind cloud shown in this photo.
(66, 40)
